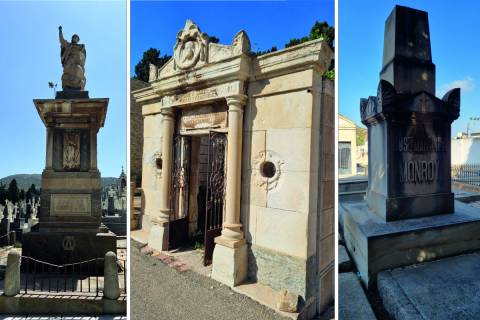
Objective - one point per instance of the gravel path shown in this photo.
(160, 292)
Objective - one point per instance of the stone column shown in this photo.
(158, 238)
(93, 148)
(230, 253)
(49, 156)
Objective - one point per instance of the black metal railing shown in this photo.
(466, 173)
(73, 277)
(123, 274)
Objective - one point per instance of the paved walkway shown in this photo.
(161, 292)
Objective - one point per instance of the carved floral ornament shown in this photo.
(191, 46)
(267, 169)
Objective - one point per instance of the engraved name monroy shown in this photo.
(419, 171)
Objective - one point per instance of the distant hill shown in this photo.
(24, 181)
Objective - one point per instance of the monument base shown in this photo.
(159, 235)
(71, 94)
(376, 245)
(230, 265)
(67, 247)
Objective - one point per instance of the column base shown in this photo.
(159, 235)
(230, 263)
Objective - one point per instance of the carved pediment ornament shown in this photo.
(191, 46)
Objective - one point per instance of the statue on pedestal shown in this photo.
(73, 57)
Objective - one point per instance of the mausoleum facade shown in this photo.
(239, 149)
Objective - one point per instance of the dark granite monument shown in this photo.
(69, 228)
(409, 214)
(408, 127)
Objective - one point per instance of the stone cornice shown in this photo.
(92, 111)
(312, 54)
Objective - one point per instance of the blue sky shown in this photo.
(30, 57)
(267, 23)
(454, 30)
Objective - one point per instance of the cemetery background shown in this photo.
(29, 286)
(447, 280)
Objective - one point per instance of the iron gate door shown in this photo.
(217, 145)
(178, 229)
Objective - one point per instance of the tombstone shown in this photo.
(409, 214)
(4, 228)
(69, 228)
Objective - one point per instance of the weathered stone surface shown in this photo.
(279, 271)
(353, 303)
(287, 301)
(111, 288)
(12, 274)
(443, 289)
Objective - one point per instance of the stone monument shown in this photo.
(409, 214)
(69, 228)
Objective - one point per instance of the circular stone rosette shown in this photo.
(268, 181)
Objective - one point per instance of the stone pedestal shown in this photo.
(69, 228)
(230, 263)
(376, 245)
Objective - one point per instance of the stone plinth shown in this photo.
(375, 245)
(69, 228)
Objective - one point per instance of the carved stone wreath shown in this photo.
(259, 160)
(191, 46)
(157, 155)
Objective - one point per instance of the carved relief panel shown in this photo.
(71, 150)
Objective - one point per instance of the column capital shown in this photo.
(236, 102)
(167, 113)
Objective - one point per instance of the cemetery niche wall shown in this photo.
(409, 214)
(69, 228)
(239, 154)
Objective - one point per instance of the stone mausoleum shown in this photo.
(239, 149)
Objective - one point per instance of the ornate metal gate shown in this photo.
(215, 192)
(178, 229)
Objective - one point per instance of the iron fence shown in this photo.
(81, 277)
(466, 173)
(74, 277)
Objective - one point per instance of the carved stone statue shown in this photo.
(71, 151)
(73, 57)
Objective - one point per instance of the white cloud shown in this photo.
(466, 85)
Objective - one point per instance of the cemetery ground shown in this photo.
(162, 289)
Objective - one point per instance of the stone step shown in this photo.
(442, 289)
(353, 303)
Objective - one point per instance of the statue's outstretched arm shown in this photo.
(60, 36)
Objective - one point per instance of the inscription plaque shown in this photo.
(70, 204)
